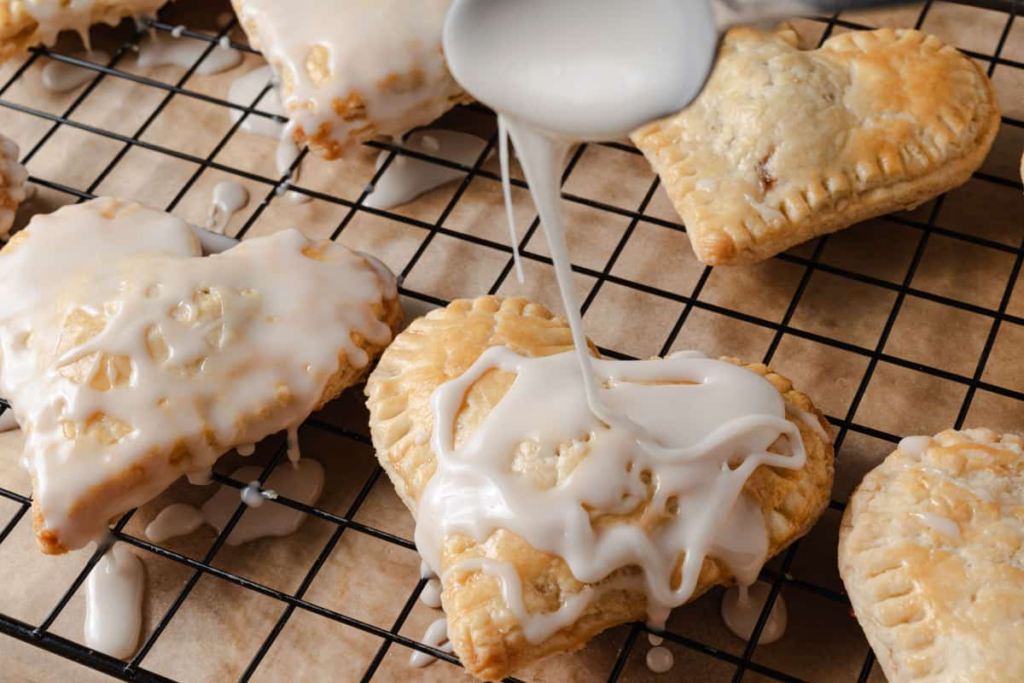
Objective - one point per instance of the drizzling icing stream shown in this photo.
(679, 436)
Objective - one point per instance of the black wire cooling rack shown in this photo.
(744, 665)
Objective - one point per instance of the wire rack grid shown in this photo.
(809, 263)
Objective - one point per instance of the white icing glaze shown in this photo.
(302, 483)
(387, 53)
(13, 180)
(660, 660)
(245, 449)
(62, 77)
(7, 421)
(506, 189)
(294, 453)
(188, 389)
(915, 446)
(686, 432)
(654, 640)
(160, 50)
(582, 69)
(425, 571)
(113, 603)
(407, 178)
(173, 521)
(742, 606)
(228, 199)
(436, 636)
(732, 417)
(942, 525)
(244, 91)
(252, 495)
(431, 595)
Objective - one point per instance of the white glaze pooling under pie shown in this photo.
(24, 23)
(784, 144)
(130, 360)
(931, 551)
(485, 633)
(353, 69)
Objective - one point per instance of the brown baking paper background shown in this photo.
(644, 294)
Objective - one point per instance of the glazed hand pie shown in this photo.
(130, 360)
(785, 145)
(13, 183)
(546, 524)
(352, 70)
(930, 552)
(24, 23)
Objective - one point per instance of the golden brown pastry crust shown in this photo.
(785, 145)
(484, 633)
(426, 93)
(939, 606)
(19, 30)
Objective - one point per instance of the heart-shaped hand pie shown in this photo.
(930, 553)
(784, 145)
(547, 525)
(24, 23)
(130, 360)
(351, 71)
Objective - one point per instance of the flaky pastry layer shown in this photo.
(931, 551)
(483, 631)
(785, 145)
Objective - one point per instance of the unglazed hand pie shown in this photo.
(24, 23)
(930, 551)
(784, 145)
(546, 524)
(350, 69)
(130, 359)
(13, 183)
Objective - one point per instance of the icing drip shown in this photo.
(698, 466)
(173, 521)
(407, 178)
(302, 483)
(431, 595)
(7, 421)
(202, 477)
(181, 348)
(245, 449)
(252, 495)
(506, 189)
(159, 50)
(244, 91)
(673, 440)
(13, 183)
(742, 607)
(60, 77)
(351, 73)
(228, 199)
(113, 603)
(654, 640)
(942, 525)
(660, 660)
(436, 636)
(55, 15)
(293, 445)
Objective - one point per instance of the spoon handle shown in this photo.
(736, 12)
